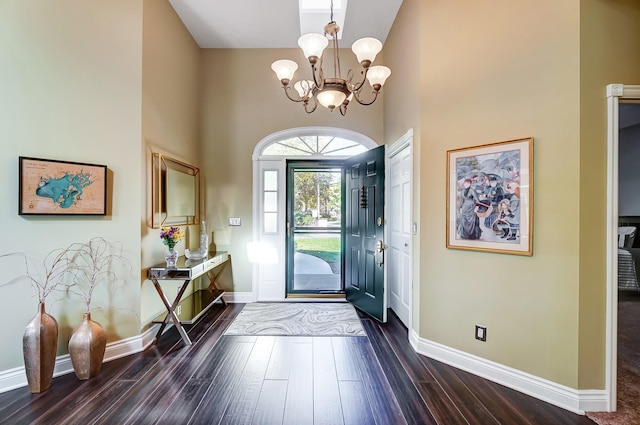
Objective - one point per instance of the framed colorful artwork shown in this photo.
(50, 187)
(490, 197)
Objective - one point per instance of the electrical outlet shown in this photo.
(179, 310)
(481, 333)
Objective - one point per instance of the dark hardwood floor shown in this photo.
(377, 379)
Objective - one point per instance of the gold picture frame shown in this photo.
(490, 197)
(175, 192)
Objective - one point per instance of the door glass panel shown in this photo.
(317, 230)
(271, 201)
(270, 222)
(271, 180)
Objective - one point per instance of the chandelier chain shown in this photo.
(332, 11)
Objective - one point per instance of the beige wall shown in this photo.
(242, 103)
(609, 46)
(516, 70)
(170, 102)
(496, 72)
(71, 90)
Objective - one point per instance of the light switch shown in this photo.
(234, 221)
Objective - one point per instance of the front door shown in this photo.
(314, 228)
(364, 232)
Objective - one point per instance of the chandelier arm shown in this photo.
(357, 98)
(318, 76)
(320, 81)
(306, 105)
(357, 86)
(300, 99)
(343, 109)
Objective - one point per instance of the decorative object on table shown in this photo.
(170, 237)
(203, 250)
(92, 263)
(50, 187)
(490, 197)
(194, 255)
(40, 338)
(204, 239)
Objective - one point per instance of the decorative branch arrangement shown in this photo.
(90, 264)
(46, 277)
(78, 268)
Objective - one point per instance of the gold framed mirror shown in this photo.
(175, 192)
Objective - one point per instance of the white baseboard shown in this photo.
(15, 378)
(577, 401)
(238, 297)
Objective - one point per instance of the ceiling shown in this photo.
(239, 24)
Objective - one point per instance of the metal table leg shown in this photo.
(171, 311)
(212, 282)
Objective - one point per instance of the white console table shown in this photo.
(190, 309)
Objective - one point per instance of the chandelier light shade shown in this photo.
(284, 69)
(335, 92)
(366, 49)
(313, 45)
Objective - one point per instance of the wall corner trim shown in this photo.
(576, 401)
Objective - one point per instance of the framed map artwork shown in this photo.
(50, 187)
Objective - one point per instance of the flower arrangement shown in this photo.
(171, 236)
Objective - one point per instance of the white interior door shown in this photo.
(400, 230)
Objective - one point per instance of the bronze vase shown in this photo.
(39, 346)
(86, 348)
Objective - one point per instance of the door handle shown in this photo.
(380, 247)
(288, 229)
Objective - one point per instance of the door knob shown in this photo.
(380, 247)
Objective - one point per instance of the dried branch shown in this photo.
(44, 277)
(90, 264)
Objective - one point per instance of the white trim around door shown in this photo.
(400, 227)
(615, 93)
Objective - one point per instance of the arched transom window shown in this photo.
(314, 145)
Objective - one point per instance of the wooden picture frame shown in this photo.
(51, 187)
(490, 197)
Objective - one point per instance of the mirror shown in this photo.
(175, 192)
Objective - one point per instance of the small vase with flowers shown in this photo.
(170, 237)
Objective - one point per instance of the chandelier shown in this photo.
(335, 92)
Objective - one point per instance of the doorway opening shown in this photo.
(267, 250)
(315, 207)
(616, 94)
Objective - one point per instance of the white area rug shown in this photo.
(297, 319)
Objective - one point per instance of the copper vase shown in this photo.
(86, 348)
(39, 346)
